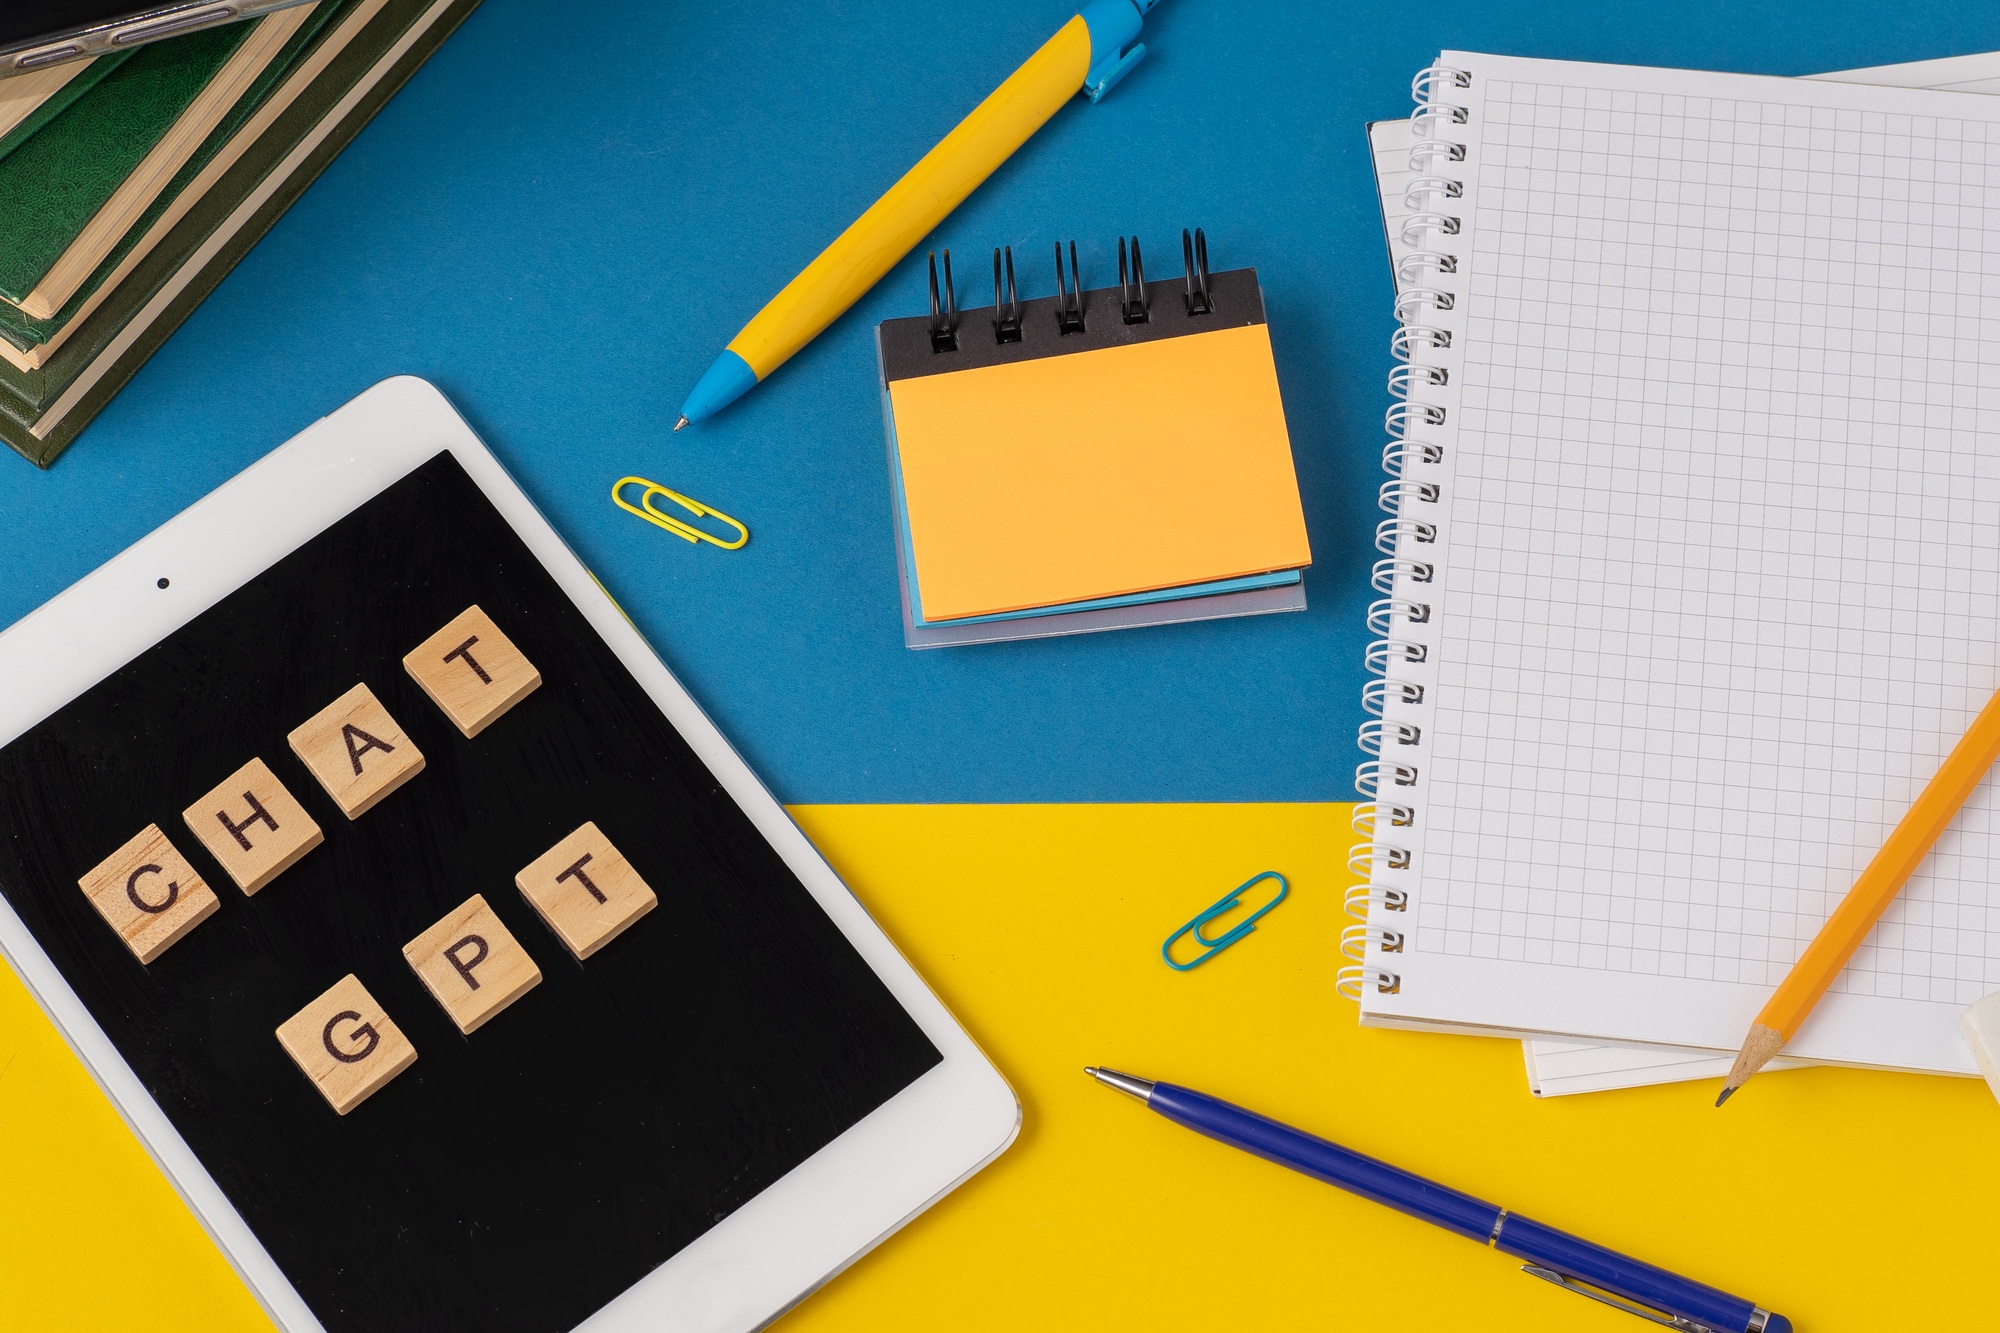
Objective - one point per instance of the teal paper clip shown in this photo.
(1228, 902)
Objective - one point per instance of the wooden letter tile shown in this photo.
(346, 1045)
(357, 751)
(253, 826)
(585, 890)
(472, 671)
(149, 894)
(472, 964)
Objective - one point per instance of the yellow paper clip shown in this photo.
(686, 531)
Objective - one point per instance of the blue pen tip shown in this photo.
(720, 385)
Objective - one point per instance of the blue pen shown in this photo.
(1556, 1256)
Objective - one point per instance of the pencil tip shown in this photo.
(1763, 1042)
(681, 424)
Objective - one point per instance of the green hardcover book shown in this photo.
(26, 333)
(30, 101)
(52, 185)
(42, 410)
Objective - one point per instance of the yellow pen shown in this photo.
(1091, 53)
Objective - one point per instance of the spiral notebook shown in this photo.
(1051, 473)
(1692, 572)
(1557, 1067)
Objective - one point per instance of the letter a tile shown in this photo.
(346, 1045)
(253, 826)
(472, 671)
(472, 964)
(149, 894)
(357, 751)
(585, 890)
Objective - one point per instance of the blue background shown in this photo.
(569, 211)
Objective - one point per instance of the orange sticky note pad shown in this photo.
(1098, 473)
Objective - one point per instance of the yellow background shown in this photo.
(1845, 1199)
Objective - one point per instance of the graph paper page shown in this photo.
(1718, 557)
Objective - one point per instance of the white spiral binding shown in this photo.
(1383, 654)
(1411, 339)
(1382, 614)
(1375, 694)
(1412, 301)
(1354, 979)
(1388, 571)
(1402, 379)
(1369, 777)
(1410, 268)
(1360, 897)
(1361, 858)
(1416, 224)
(1431, 192)
(1371, 815)
(1425, 151)
(1403, 417)
(1395, 494)
(1399, 453)
(1412, 500)
(1376, 734)
(1354, 940)
(1391, 532)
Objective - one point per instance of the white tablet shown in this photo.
(446, 957)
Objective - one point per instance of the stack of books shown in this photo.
(132, 183)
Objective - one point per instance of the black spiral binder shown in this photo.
(944, 320)
(1006, 314)
(1069, 295)
(1018, 328)
(1398, 655)
(1132, 299)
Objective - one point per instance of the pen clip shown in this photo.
(1672, 1321)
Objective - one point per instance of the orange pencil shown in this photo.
(1935, 807)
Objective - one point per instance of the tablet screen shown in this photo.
(516, 1178)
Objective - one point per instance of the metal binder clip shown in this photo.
(685, 531)
(1134, 304)
(1007, 316)
(1194, 252)
(1069, 298)
(1228, 901)
(944, 323)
